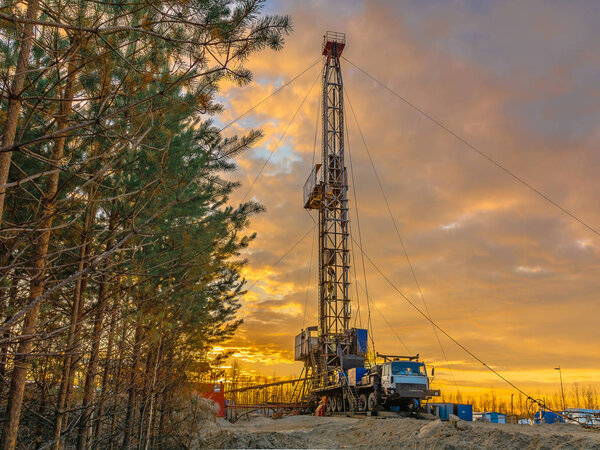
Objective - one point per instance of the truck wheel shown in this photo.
(362, 402)
(339, 407)
(330, 404)
(372, 401)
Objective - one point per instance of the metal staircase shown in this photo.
(350, 394)
(317, 369)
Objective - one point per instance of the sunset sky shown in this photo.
(502, 270)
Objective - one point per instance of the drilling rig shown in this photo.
(335, 356)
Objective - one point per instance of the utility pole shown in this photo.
(562, 390)
(512, 405)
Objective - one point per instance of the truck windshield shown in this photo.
(408, 368)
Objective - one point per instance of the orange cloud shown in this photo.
(501, 270)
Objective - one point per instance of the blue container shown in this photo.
(442, 410)
(547, 417)
(465, 412)
(355, 375)
(362, 338)
(494, 417)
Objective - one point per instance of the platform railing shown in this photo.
(334, 36)
(310, 184)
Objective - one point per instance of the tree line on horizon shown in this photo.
(576, 396)
(120, 263)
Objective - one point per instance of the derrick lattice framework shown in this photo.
(334, 258)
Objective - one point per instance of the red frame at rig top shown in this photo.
(333, 40)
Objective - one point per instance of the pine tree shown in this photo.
(121, 263)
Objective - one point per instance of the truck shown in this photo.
(355, 385)
(400, 381)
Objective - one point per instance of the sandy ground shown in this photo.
(396, 432)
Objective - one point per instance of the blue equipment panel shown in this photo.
(362, 340)
(355, 375)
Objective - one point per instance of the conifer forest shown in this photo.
(120, 267)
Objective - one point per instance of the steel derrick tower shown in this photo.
(326, 190)
(337, 375)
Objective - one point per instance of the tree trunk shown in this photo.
(106, 371)
(12, 300)
(43, 401)
(129, 419)
(152, 393)
(72, 337)
(36, 287)
(166, 395)
(146, 390)
(14, 100)
(113, 422)
(90, 376)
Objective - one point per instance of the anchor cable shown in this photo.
(369, 323)
(286, 84)
(462, 346)
(393, 219)
(477, 150)
(280, 139)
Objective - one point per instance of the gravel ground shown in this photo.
(379, 433)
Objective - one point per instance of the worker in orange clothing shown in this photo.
(322, 407)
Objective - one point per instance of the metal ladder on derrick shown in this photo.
(317, 369)
(351, 394)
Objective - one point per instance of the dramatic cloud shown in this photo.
(502, 270)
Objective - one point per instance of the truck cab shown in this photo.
(399, 381)
(404, 378)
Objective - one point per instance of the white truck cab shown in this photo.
(400, 381)
(398, 376)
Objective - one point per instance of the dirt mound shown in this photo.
(377, 433)
(218, 433)
(399, 433)
(249, 439)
